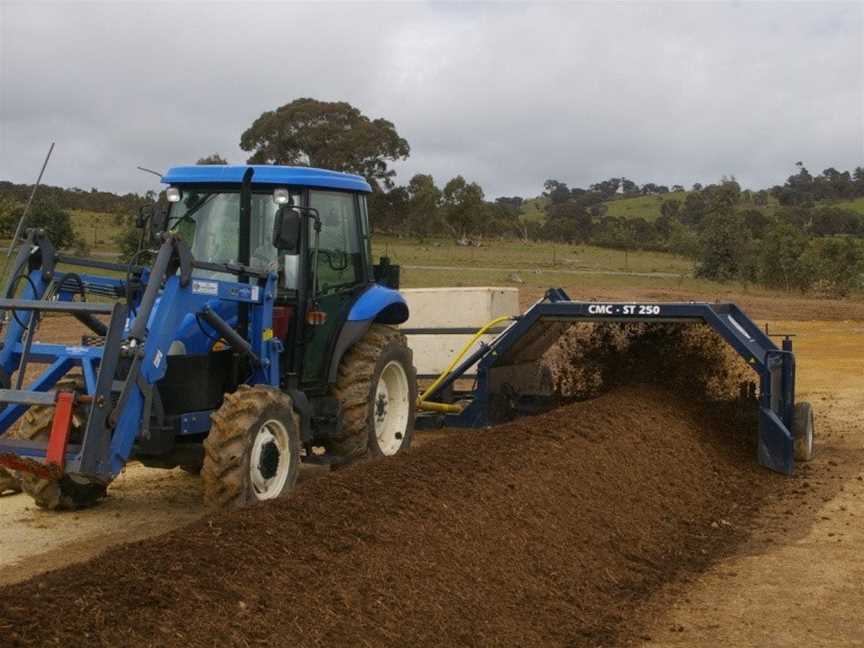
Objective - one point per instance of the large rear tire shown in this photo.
(803, 431)
(68, 493)
(252, 452)
(376, 386)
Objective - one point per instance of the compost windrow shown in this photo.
(553, 530)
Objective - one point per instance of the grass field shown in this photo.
(533, 209)
(443, 263)
(647, 207)
(856, 205)
(529, 256)
(97, 229)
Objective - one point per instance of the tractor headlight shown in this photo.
(281, 196)
(172, 194)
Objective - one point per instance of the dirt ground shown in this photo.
(793, 580)
(798, 580)
(143, 502)
(478, 538)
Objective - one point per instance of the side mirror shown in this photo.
(286, 230)
(159, 219)
(386, 273)
(144, 215)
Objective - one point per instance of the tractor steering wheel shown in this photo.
(331, 255)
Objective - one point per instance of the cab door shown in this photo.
(342, 275)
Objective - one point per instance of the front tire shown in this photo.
(252, 452)
(376, 386)
(69, 492)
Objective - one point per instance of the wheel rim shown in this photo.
(391, 408)
(270, 461)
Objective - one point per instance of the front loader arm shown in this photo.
(121, 375)
(156, 327)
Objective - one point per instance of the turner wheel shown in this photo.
(252, 452)
(376, 386)
(65, 493)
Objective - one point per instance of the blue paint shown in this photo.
(89, 375)
(44, 382)
(266, 174)
(195, 422)
(376, 298)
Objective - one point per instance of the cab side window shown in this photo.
(340, 258)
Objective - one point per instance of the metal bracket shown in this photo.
(61, 427)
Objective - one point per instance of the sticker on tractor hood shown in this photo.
(624, 309)
(243, 292)
(205, 287)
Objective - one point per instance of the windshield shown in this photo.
(210, 223)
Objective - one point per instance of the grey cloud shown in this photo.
(507, 95)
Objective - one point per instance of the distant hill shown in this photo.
(533, 209)
(648, 207)
(94, 200)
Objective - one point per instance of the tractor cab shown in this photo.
(209, 220)
(309, 226)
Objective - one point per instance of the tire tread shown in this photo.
(225, 448)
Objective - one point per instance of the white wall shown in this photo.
(450, 308)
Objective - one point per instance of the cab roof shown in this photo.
(266, 174)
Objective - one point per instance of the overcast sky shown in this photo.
(505, 94)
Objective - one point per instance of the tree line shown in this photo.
(459, 210)
(75, 198)
(794, 243)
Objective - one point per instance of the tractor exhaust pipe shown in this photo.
(244, 253)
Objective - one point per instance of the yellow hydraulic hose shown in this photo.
(444, 408)
(448, 408)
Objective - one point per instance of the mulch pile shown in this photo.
(690, 359)
(551, 530)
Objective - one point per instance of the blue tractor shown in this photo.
(262, 335)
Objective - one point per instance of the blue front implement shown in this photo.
(121, 372)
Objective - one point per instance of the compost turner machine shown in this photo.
(505, 377)
(262, 336)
